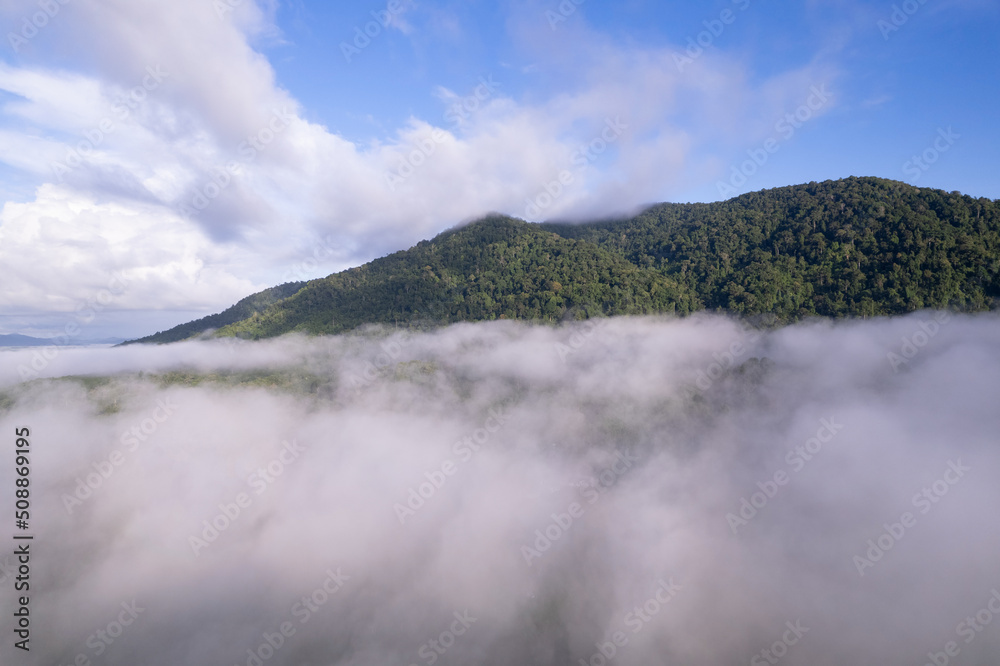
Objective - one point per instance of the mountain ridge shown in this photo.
(850, 247)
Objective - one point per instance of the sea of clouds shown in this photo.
(631, 491)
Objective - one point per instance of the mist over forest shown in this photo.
(519, 333)
(627, 490)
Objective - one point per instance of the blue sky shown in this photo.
(202, 150)
(896, 85)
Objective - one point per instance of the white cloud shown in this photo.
(187, 141)
(62, 249)
(130, 475)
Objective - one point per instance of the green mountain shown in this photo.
(852, 247)
(493, 269)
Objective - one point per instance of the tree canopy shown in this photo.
(852, 247)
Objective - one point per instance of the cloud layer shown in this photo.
(671, 491)
(172, 147)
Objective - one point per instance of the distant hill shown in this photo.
(16, 340)
(852, 247)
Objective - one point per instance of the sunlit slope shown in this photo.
(493, 269)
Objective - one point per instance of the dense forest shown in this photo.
(496, 268)
(854, 247)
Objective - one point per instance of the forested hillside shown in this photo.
(859, 246)
(853, 247)
(496, 268)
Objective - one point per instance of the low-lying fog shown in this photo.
(635, 492)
